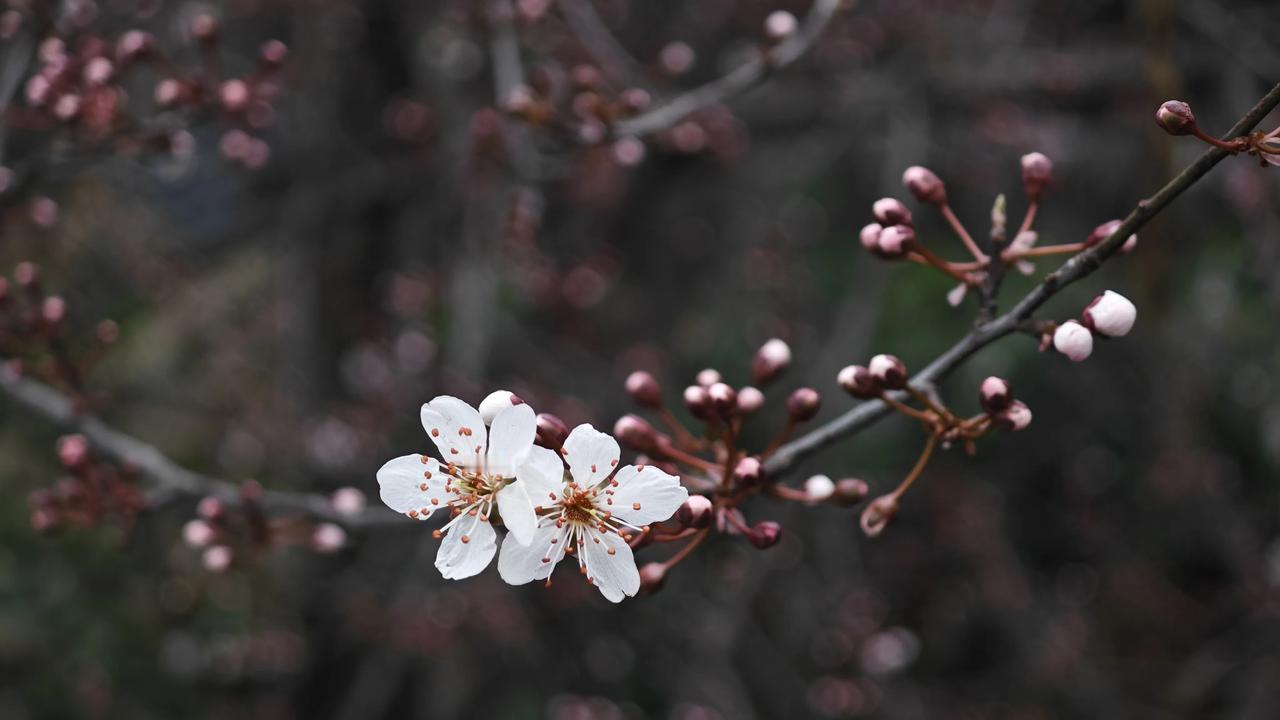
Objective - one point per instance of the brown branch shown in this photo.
(739, 80)
(1076, 268)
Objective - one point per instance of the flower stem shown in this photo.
(919, 468)
(960, 230)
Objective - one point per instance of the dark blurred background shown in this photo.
(1120, 558)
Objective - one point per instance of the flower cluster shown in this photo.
(567, 496)
(92, 490)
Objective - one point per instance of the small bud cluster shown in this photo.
(93, 490)
(1110, 315)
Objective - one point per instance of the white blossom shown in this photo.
(590, 511)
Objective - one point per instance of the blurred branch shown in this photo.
(741, 79)
(616, 63)
(170, 479)
(1076, 268)
(17, 57)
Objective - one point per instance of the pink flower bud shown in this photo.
(858, 382)
(552, 432)
(1013, 418)
(98, 71)
(347, 501)
(708, 377)
(273, 54)
(53, 310)
(895, 240)
(803, 404)
(869, 236)
(771, 360)
(765, 534)
(876, 516)
(134, 45)
(218, 558)
(198, 534)
(925, 185)
(850, 492)
(888, 371)
(328, 538)
(1110, 314)
(644, 389)
(995, 394)
(779, 25)
(698, 401)
(107, 332)
(495, 402)
(695, 512)
(168, 92)
(724, 399)
(891, 211)
(634, 99)
(1037, 173)
(636, 432)
(819, 488)
(205, 28)
(749, 400)
(27, 275)
(748, 471)
(67, 107)
(73, 451)
(211, 508)
(44, 212)
(234, 95)
(1175, 117)
(1073, 340)
(1106, 230)
(652, 577)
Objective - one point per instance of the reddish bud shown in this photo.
(205, 28)
(995, 394)
(1037, 173)
(748, 471)
(552, 432)
(888, 371)
(858, 382)
(771, 360)
(73, 451)
(724, 399)
(644, 389)
(251, 492)
(765, 534)
(27, 275)
(636, 432)
(696, 512)
(98, 71)
(273, 54)
(749, 400)
(107, 332)
(877, 515)
(869, 237)
(850, 492)
(135, 45)
(698, 401)
(891, 211)
(652, 577)
(925, 185)
(803, 404)
(1175, 117)
(1013, 418)
(895, 240)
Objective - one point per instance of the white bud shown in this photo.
(819, 488)
(218, 558)
(1110, 314)
(197, 533)
(1073, 340)
(779, 24)
(347, 500)
(328, 538)
(496, 402)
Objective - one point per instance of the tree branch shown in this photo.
(737, 81)
(1078, 267)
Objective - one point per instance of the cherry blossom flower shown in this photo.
(589, 511)
(479, 474)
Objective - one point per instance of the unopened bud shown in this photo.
(708, 377)
(858, 382)
(869, 237)
(73, 451)
(891, 211)
(771, 360)
(779, 25)
(218, 558)
(894, 241)
(211, 508)
(328, 538)
(995, 394)
(819, 488)
(724, 399)
(876, 516)
(765, 534)
(53, 310)
(27, 275)
(234, 95)
(644, 389)
(803, 404)
(696, 512)
(1110, 314)
(925, 185)
(347, 501)
(1037, 173)
(495, 402)
(98, 71)
(748, 471)
(636, 432)
(552, 431)
(198, 534)
(749, 400)
(888, 371)
(1013, 418)
(1175, 117)
(652, 577)
(135, 45)
(850, 492)
(1073, 340)
(698, 401)
(205, 28)
(107, 332)
(273, 54)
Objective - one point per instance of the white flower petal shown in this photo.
(643, 497)
(956, 295)
(467, 548)
(517, 512)
(542, 475)
(413, 483)
(519, 564)
(591, 454)
(457, 430)
(610, 565)
(510, 438)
